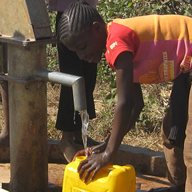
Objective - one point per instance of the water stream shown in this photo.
(85, 123)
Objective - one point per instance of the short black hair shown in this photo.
(77, 18)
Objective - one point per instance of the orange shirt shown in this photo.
(161, 45)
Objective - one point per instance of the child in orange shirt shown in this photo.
(149, 49)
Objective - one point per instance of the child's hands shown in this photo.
(89, 167)
(96, 158)
(93, 150)
(84, 152)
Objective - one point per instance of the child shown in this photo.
(68, 120)
(148, 49)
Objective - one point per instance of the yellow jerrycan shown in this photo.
(111, 178)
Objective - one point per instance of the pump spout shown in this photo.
(76, 82)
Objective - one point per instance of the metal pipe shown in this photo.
(76, 82)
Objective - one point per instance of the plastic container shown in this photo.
(111, 178)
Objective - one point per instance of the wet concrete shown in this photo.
(56, 171)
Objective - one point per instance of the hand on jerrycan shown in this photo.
(93, 150)
(87, 167)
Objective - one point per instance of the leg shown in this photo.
(173, 155)
(188, 147)
(68, 120)
(4, 136)
(176, 116)
(66, 116)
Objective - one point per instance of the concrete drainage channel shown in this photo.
(150, 166)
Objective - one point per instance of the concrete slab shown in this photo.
(144, 160)
(54, 153)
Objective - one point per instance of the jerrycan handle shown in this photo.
(80, 158)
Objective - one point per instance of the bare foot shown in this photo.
(69, 149)
(78, 139)
(4, 139)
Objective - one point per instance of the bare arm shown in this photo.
(137, 106)
(129, 103)
(126, 112)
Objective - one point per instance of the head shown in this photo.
(82, 29)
